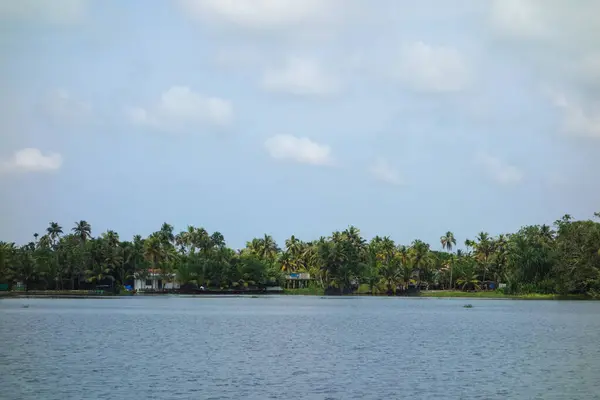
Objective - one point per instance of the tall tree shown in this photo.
(448, 242)
(83, 230)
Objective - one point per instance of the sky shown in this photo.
(301, 117)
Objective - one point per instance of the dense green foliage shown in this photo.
(536, 259)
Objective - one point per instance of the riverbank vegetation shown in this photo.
(559, 260)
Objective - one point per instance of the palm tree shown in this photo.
(153, 251)
(82, 230)
(419, 253)
(269, 248)
(188, 238)
(294, 250)
(136, 256)
(111, 237)
(180, 242)
(98, 273)
(7, 254)
(372, 276)
(406, 274)
(546, 233)
(469, 244)
(484, 247)
(217, 240)
(391, 275)
(465, 280)
(264, 247)
(169, 262)
(404, 254)
(287, 264)
(166, 234)
(448, 241)
(388, 250)
(202, 241)
(54, 231)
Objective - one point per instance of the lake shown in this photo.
(296, 347)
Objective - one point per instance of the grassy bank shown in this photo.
(60, 293)
(454, 294)
(310, 291)
(500, 295)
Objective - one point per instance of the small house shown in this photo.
(155, 280)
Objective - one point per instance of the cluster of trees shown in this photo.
(561, 259)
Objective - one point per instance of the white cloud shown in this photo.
(559, 42)
(558, 21)
(61, 105)
(384, 172)
(51, 11)
(431, 68)
(518, 18)
(261, 14)
(300, 76)
(576, 120)
(238, 57)
(32, 160)
(301, 150)
(589, 67)
(498, 170)
(180, 108)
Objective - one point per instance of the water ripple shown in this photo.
(298, 348)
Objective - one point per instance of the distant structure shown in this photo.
(155, 280)
(297, 280)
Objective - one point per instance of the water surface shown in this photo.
(298, 348)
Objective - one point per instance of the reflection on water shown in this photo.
(298, 348)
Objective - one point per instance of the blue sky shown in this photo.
(298, 117)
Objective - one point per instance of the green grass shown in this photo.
(83, 293)
(501, 295)
(310, 291)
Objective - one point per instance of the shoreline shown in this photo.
(501, 296)
(424, 294)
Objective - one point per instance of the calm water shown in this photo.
(298, 348)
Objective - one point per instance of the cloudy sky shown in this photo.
(402, 118)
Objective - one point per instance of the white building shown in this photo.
(154, 280)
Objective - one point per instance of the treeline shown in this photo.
(563, 259)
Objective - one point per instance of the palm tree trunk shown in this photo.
(484, 271)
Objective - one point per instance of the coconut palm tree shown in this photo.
(98, 273)
(448, 241)
(484, 247)
(294, 250)
(387, 250)
(287, 264)
(469, 244)
(390, 275)
(166, 234)
(269, 248)
(54, 231)
(419, 252)
(404, 254)
(7, 256)
(83, 230)
(153, 250)
(111, 238)
(217, 240)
